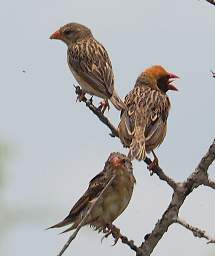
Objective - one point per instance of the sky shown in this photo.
(56, 145)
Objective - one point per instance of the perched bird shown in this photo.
(89, 63)
(113, 201)
(143, 123)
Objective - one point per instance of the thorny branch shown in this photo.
(180, 192)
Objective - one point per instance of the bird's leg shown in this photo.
(103, 106)
(154, 164)
(110, 229)
(80, 93)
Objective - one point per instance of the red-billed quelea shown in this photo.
(89, 63)
(111, 204)
(143, 124)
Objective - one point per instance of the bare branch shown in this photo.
(160, 173)
(98, 113)
(209, 183)
(130, 243)
(196, 231)
(182, 190)
(200, 175)
(211, 2)
(74, 234)
(124, 240)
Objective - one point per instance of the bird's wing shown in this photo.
(95, 187)
(146, 112)
(91, 62)
(157, 112)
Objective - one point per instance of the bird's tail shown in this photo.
(116, 101)
(63, 223)
(137, 147)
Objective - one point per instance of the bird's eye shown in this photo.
(67, 32)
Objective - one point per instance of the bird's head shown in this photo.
(71, 33)
(163, 78)
(120, 161)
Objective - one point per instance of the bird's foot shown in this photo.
(154, 165)
(112, 230)
(103, 106)
(80, 93)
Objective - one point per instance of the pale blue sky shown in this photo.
(58, 145)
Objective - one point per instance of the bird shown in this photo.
(89, 63)
(143, 124)
(111, 203)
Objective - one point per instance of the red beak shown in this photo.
(172, 86)
(173, 75)
(116, 161)
(56, 35)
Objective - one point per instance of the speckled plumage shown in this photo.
(89, 62)
(114, 200)
(143, 123)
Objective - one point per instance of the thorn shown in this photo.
(147, 236)
(90, 100)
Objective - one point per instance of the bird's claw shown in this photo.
(106, 235)
(154, 165)
(80, 93)
(103, 106)
(114, 231)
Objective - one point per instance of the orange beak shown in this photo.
(56, 35)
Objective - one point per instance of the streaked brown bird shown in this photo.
(89, 63)
(112, 202)
(143, 124)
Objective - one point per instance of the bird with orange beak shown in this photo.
(143, 123)
(109, 205)
(89, 63)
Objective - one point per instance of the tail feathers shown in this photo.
(74, 226)
(117, 102)
(63, 223)
(137, 147)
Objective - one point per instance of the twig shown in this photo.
(211, 2)
(130, 243)
(196, 231)
(160, 173)
(72, 237)
(213, 73)
(98, 113)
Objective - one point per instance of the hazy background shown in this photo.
(51, 147)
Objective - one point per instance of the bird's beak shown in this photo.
(171, 86)
(56, 35)
(116, 161)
